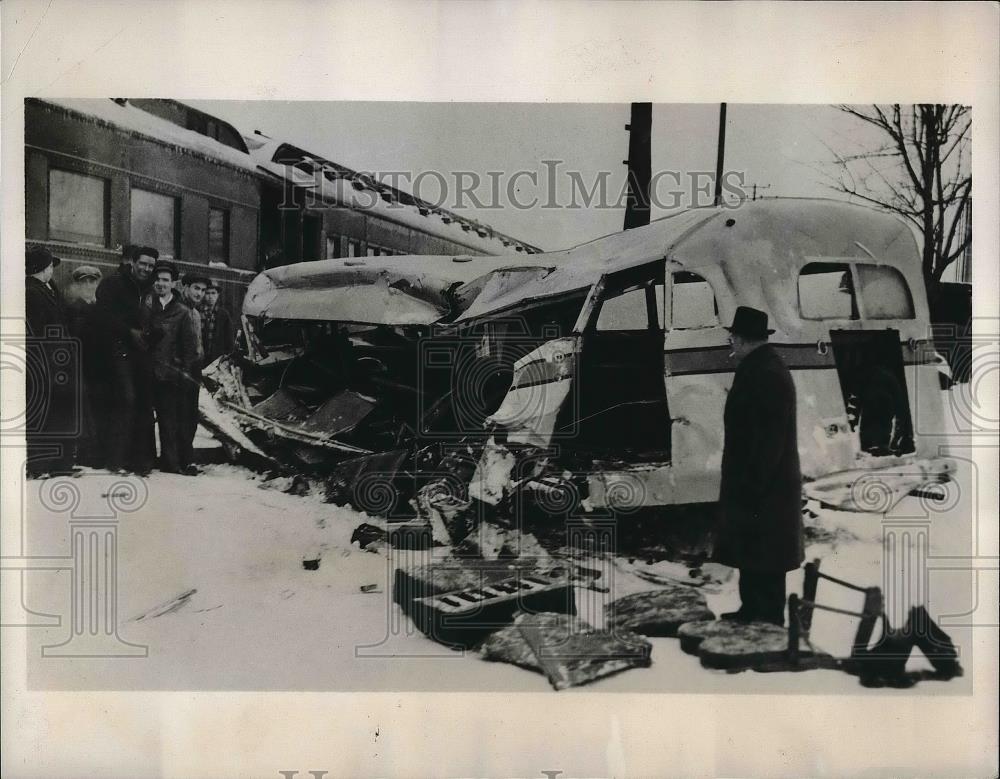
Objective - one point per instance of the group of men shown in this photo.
(111, 353)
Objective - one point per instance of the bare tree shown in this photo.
(921, 171)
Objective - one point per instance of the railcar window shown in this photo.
(78, 208)
(218, 235)
(332, 247)
(826, 291)
(353, 248)
(693, 302)
(154, 221)
(884, 293)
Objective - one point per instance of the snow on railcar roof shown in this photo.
(133, 119)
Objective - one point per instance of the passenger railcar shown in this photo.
(100, 174)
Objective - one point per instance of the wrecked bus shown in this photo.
(633, 396)
(607, 365)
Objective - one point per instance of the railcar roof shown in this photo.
(133, 119)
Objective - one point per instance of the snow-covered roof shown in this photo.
(354, 192)
(402, 290)
(132, 119)
(358, 191)
(752, 254)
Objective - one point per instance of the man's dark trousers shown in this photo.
(763, 596)
(188, 389)
(127, 419)
(168, 401)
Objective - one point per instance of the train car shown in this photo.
(104, 173)
(101, 174)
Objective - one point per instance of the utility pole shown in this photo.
(721, 156)
(639, 164)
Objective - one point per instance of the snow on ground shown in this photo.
(256, 619)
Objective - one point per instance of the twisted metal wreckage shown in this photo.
(595, 375)
(465, 397)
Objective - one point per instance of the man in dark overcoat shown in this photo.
(51, 373)
(127, 417)
(80, 299)
(760, 527)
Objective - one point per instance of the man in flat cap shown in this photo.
(174, 353)
(760, 527)
(193, 289)
(50, 375)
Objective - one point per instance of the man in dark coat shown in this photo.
(175, 354)
(217, 331)
(760, 528)
(52, 371)
(127, 417)
(192, 296)
(80, 299)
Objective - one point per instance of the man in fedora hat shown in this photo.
(760, 527)
(50, 376)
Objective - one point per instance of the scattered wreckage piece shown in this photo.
(369, 537)
(735, 646)
(659, 612)
(884, 663)
(239, 448)
(566, 649)
(463, 617)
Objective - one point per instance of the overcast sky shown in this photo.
(775, 146)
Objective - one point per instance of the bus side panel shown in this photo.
(826, 442)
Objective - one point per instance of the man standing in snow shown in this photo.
(175, 353)
(49, 401)
(760, 528)
(192, 294)
(126, 420)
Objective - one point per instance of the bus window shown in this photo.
(884, 293)
(625, 312)
(826, 291)
(693, 302)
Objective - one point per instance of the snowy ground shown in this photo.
(255, 619)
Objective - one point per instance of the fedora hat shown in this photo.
(193, 277)
(37, 259)
(750, 322)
